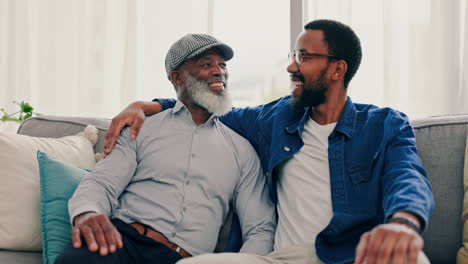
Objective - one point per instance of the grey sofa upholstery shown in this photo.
(441, 143)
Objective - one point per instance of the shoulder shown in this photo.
(389, 121)
(155, 121)
(374, 113)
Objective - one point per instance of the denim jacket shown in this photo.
(374, 167)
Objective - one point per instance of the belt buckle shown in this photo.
(177, 249)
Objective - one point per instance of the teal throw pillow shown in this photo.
(58, 183)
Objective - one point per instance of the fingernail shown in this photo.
(76, 245)
(103, 251)
(112, 248)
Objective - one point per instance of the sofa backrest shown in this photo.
(441, 144)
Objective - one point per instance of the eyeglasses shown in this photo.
(299, 56)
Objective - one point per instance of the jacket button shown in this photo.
(286, 148)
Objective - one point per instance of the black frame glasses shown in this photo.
(298, 55)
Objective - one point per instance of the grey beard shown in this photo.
(201, 94)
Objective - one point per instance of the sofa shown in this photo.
(441, 143)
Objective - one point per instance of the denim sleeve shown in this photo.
(165, 103)
(405, 183)
(241, 120)
(244, 121)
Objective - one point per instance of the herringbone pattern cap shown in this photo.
(192, 45)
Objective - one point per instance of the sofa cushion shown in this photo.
(20, 257)
(20, 221)
(462, 256)
(441, 146)
(58, 183)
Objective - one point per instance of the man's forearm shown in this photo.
(149, 108)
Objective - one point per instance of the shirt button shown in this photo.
(187, 182)
(184, 208)
(193, 155)
(173, 234)
(286, 148)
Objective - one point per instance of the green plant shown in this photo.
(25, 112)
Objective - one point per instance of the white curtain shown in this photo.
(71, 57)
(90, 57)
(93, 57)
(415, 53)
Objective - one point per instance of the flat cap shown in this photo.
(192, 45)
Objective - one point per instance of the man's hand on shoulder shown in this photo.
(98, 232)
(394, 241)
(133, 115)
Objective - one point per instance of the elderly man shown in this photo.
(346, 178)
(164, 196)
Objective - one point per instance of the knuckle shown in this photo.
(415, 246)
(365, 235)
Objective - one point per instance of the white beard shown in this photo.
(201, 94)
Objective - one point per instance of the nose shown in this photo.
(218, 71)
(293, 67)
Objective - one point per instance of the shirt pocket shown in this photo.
(362, 172)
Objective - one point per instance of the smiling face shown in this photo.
(202, 81)
(309, 80)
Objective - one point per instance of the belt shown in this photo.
(156, 236)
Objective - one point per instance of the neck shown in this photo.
(198, 113)
(330, 111)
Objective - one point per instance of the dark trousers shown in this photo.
(137, 248)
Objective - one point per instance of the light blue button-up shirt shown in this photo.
(181, 179)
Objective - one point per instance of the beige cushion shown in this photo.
(19, 182)
(462, 257)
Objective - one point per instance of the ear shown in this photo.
(176, 77)
(339, 70)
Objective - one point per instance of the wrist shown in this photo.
(150, 108)
(407, 221)
(80, 218)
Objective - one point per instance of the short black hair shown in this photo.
(342, 42)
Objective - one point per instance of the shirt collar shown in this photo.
(180, 107)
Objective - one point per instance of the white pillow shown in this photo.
(19, 182)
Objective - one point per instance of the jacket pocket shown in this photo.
(362, 172)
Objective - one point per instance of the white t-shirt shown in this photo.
(304, 196)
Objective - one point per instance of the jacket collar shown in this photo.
(345, 125)
(347, 122)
